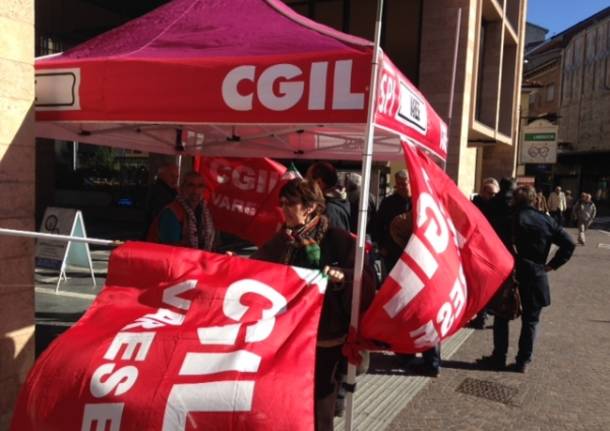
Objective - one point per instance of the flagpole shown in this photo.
(456, 45)
(367, 159)
(59, 238)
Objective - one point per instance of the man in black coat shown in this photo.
(533, 234)
(391, 206)
(337, 206)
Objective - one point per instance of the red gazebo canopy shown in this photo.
(230, 78)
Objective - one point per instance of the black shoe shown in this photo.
(492, 362)
(477, 323)
(519, 367)
(405, 360)
(427, 370)
(340, 407)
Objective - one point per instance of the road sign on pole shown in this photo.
(539, 143)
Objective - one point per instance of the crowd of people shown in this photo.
(320, 218)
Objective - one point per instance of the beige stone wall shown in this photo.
(435, 78)
(17, 202)
(585, 108)
(540, 103)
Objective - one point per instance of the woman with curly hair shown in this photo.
(307, 240)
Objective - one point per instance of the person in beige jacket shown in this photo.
(557, 205)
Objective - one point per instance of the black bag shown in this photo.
(507, 301)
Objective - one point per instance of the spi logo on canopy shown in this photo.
(398, 100)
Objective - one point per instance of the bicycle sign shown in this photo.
(539, 145)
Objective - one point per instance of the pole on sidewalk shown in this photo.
(59, 238)
(458, 29)
(367, 160)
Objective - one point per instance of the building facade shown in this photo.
(420, 37)
(17, 191)
(572, 73)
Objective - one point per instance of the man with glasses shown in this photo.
(186, 221)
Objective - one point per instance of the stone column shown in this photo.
(17, 199)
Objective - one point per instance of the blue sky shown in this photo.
(558, 15)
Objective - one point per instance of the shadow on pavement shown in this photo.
(392, 365)
(461, 365)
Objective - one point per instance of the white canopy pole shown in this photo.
(60, 238)
(367, 159)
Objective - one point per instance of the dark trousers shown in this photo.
(326, 386)
(558, 216)
(432, 357)
(529, 321)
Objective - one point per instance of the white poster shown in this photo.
(58, 221)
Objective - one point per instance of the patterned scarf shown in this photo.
(202, 238)
(306, 237)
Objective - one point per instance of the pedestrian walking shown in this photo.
(533, 234)
(541, 204)
(570, 201)
(557, 205)
(584, 213)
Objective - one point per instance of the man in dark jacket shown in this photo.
(391, 206)
(500, 211)
(337, 205)
(483, 201)
(353, 187)
(533, 234)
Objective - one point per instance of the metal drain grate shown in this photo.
(489, 390)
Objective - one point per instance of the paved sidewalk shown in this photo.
(568, 384)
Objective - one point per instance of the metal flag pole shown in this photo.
(456, 46)
(367, 159)
(59, 238)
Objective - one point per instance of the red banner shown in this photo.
(243, 196)
(181, 339)
(451, 267)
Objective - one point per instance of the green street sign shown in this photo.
(539, 136)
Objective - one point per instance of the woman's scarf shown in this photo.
(306, 237)
(202, 238)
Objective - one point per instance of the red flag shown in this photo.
(451, 267)
(183, 339)
(243, 195)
